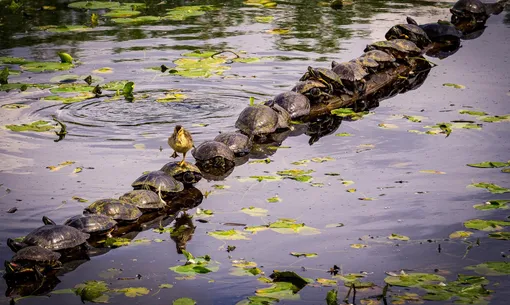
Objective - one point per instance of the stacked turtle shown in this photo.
(43, 249)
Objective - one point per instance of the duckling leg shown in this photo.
(174, 155)
(183, 157)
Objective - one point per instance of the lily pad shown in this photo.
(414, 279)
(456, 86)
(182, 12)
(92, 291)
(258, 300)
(118, 13)
(280, 290)
(70, 99)
(64, 28)
(296, 174)
(264, 19)
(106, 70)
(303, 254)
(289, 226)
(500, 235)
(46, 66)
(274, 199)
(493, 205)
(37, 126)
(132, 292)
(343, 134)
(491, 268)
(278, 31)
(12, 60)
(266, 178)
(184, 301)
(472, 112)
(460, 234)
(486, 225)
(94, 5)
(165, 286)
(358, 246)
(137, 20)
(256, 212)
(199, 67)
(398, 237)
(172, 97)
(416, 118)
(327, 282)
(228, 235)
(349, 113)
(196, 265)
(71, 88)
(496, 118)
(489, 164)
(491, 187)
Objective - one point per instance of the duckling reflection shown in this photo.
(182, 232)
(181, 142)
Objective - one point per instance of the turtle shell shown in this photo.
(116, 209)
(379, 56)
(55, 237)
(158, 181)
(283, 116)
(466, 7)
(323, 74)
(239, 143)
(400, 48)
(257, 120)
(350, 71)
(296, 104)
(439, 32)
(93, 223)
(313, 89)
(212, 149)
(187, 173)
(36, 254)
(366, 62)
(410, 32)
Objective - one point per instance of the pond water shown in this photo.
(417, 182)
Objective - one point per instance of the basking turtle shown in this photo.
(257, 120)
(400, 48)
(325, 76)
(186, 173)
(158, 181)
(410, 32)
(352, 75)
(33, 259)
(369, 64)
(144, 199)
(283, 116)
(296, 104)
(441, 31)
(384, 59)
(314, 90)
(239, 143)
(214, 156)
(51, 237)
(116, 209)
(93, 224)
(469, 9)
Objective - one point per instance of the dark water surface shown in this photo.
(116, 141)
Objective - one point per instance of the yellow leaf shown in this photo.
(431, 171)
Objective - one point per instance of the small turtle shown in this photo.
(369, 64)
(283, 116)
(93, 224)
(33, 259)
(51, 237)
(239, 143)
(469, 9)
(439, 31)
(400, 48)
(352, 75)
(314, 90)
(325, 76)
(158, 181)
(187, 173)
(257, 120)
(410, 32)
(296, 104)
(384, 59)
(144, 199)
(213, 155)
(116, 209)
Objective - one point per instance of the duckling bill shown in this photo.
(181, 142)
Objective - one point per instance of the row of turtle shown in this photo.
(39, 251)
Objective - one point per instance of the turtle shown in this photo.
(352, 75)
(314, 90)
(369, 64)
(410, 32)
(257, 120)
(51, 237)
(33, 259)
(239, 143)
(283, 115)
(400, 48)
(94, 224)
(144, 199)
(441, 31)
(114, 208)
(213, 156)
(186, 173)
(384, 59)
(296, 104)
(473, 10)
(325, 76)
(158, 181)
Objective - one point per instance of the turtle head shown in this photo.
(14, 245)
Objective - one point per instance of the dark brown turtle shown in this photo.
(187, 173)
(213, 156)
(384, 59)
(410, 32)
(33, 259)
(442, 31)
(352, 75)
(296, 104)
(116, 209)
(144, 199)
(473, 10)
(257, 120)
(239, 143)
(314, 90)
(94, 224)
(158, 181)
(325, 76)
(399, 48)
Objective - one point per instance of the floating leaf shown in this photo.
(398, 237)
(351, 190)
(182, 12)
(366, 198)
(289, 226)
(184, 301)
(296, 174)
(79, 199)
(92, 291)
(165, 286)
(12, 60)
(431, 171)
(327, 282)
(274, 199)
(348, 113)
(491, 187)
(416, 118)
(387, 126)
(70, 99)
(500, 235)
(118, 13)
(77, 170)
(228, 234)
(505, 170)
(304, 254)
(343, 134)
(489, 164)
(46, 66)
(60, 166)
(491, 268)
(220, 186)
(116, 242)
(347, 182)
(264, 19)
(196, 265)
(496, 118)
(322, 159)
(105, 70)
(244, 268)
(413, 279)
(132, 292)
(94, 5)
(255, 229)
(456, 86)
(486, 225)
(493, 205)
(137, 20)
(472, 112)
(460, 234)
(278, 31)
(256, 212)
(37, 126)
(407, 297)
(172, 97)
(279, 290)
(358, 246)
(15, 106)
(332, 297)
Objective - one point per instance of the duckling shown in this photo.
(180, 141)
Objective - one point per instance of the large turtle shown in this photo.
(33, 259)
(469, 9)
(296, 104)
(239, 143)
(158, 181)
(187, 173)
(213, 156)
(257, 120)
(399, 48)
(384, 59)
(442, 31)
(352, 75)
(51, 237)
(410, 32)
(94, 224)
(114, 208)
(144, 199)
